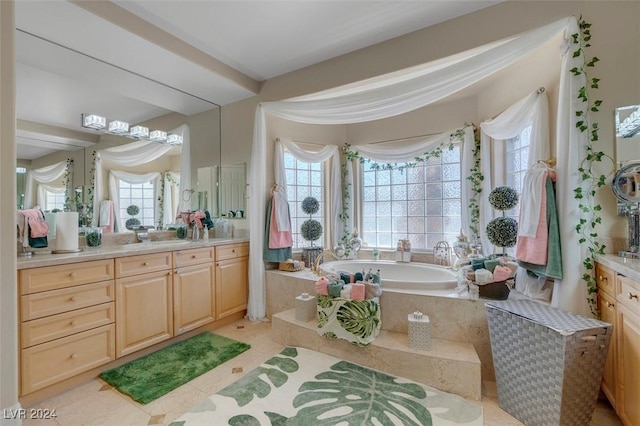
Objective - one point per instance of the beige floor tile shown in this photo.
(102, 408)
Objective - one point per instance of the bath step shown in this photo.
(449, 366)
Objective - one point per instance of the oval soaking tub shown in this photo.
(398, 275)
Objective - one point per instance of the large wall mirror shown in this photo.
(627, 125)
(55, 85)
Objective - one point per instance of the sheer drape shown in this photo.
(384, 97)
(328, 152)
(170, 197)
(132, 178)
(48, 174)
(532, 110)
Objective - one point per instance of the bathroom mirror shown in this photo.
(55, 85)
(627, 126)
(626, 183)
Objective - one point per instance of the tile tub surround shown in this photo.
(452, 317)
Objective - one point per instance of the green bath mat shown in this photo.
(156, 374)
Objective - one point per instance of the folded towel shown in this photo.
(483, 276)
(322, 286)
(33, 228)
(357, 291)
(335, 288)
(372, 290)
(477, 263)
(345, 293)
(501, 273)
(491, 264)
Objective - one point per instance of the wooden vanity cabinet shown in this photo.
(67, 315)
(628, 365)
(144, 308)
(194, 289)
(232, 278)
(606, 279)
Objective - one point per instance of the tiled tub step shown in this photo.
(449, 366)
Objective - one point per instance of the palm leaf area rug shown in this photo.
(158, 373)
(307, 388)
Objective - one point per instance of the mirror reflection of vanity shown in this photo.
(626, 181)
(52, 93)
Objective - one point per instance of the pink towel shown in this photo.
(534, 250)
(278, 239)
(196, 218)
(322, 286)
(37, 225)
(357, 291)
(372, 290)
(501, 273)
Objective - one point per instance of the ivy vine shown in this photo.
(475, 177)
(350, 155)
(585, 193)
(66, 182)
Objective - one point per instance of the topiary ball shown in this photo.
(310, 205)
(311, 230)
(133, 210)
(131, 223)
(503, 232)
(503, 198)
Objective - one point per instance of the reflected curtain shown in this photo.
(129, 155)
(386, 96)
(532, 110)
(48, 174)
(328, 152)
(132, 178)
(170, 198)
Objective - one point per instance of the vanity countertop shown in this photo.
(114, 251)
(623, 265)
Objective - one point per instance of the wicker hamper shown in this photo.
(548, 362)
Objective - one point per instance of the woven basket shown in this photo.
(291, 266)
(548, 362)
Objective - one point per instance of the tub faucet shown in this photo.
(316, 265)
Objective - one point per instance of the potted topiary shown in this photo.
(503, 231)
(311, 230)
(132, 222)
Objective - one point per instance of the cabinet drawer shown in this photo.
(231, 251)
(49, 363)
(53, 302)
(629, 294)
(605, 278)
(55, 277)
(136, 265)
(56, 326)
(193, 257)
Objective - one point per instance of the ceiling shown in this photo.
(137, 60)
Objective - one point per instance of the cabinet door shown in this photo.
(232, 280)
(607, 307)
(193, 297)
(628, 401)
(144, 311)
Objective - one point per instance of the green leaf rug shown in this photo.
(158, 373)
(303, 387)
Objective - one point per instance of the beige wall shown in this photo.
(616, 35)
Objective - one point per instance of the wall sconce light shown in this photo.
(121, 128)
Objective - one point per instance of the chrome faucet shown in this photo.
(142, 233)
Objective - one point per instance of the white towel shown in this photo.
(531, 201)
(106, 218)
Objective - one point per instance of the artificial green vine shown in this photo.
(90, 190)
(66, 182)
(475, 177)
(350, 155)
(585, 194)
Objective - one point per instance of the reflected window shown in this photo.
(421, 203)
(516, 160)
(140, 195)
(303, 180)
(54, 199)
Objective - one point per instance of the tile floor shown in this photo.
(97, 403)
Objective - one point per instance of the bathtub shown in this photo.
(398, 275)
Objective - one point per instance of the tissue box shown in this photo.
(419, 331)
(305, 307)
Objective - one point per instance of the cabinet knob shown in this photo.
(73, 356)
(72, 275)
(601, 278)
(610, 305)
(193, 256)
(633, 296)
(72, 299)
(146, 264)
(233, 251)
(72, 323)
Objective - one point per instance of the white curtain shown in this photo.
(184, 202)
(48, 174)
(532, 110)
(170, 197)
(380, 98)
(132, 178)
(129, 155)
(327, 152)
